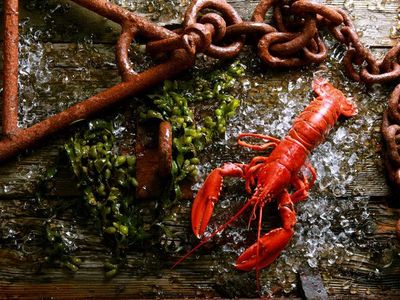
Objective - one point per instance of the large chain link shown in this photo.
(290, 40)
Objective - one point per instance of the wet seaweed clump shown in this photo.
(58, 248)
(193, 126)
(107, 178)
(108, 184)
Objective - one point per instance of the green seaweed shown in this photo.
(107, 178)
(56, 249)
(193, 130)
(108, 184)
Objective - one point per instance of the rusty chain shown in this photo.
(290, 40)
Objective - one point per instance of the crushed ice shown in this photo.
(330, 226)
(52, 76)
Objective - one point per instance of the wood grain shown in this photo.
(91, 68)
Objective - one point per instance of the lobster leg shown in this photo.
(252, 169)
(208, 195)
(302, 185)
(271, 142)
(267, 248)
(256, 162)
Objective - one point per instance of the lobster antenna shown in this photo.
(258, 247)
(253, 216)
(214, 233)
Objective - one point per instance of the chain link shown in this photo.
(290, 40)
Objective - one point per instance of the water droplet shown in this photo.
(353, 290)
(312, 262)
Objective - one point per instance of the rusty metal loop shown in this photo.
(122, 51)
(231, 17)
(302, 6)
(318, 51)
(228, 51)
(197, 37)
(391, 56)
(10, 102)
(275, 37)
(308, 31)
(299, 41)
(278, 19)
(194, 39)
(218, 23)
(353, 40)
(389, 76)
(392, 141)
(313, 46)
(394, 105)
(261, 10)
(391, 127)
(348, 65)
(222, 7)
(357, 54)
(391, 134)
(336, 30)
(372, 63)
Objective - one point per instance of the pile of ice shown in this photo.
(330, 226)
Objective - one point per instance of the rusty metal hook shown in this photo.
(17, 139)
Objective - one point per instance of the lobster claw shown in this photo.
(203, 205)
(270, 246)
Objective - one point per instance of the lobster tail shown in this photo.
(325, 90)
(315, 122)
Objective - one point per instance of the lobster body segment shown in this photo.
(270, 178)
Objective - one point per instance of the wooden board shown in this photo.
(78, 59)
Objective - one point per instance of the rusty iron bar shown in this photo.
(154, 158)
(122, 16)
(26, 138)
(10, 77)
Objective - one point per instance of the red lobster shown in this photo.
(271, 177)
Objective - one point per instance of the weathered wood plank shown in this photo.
(146, 274)
(89, 68)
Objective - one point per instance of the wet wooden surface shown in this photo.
(19, 178)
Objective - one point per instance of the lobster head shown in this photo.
(272, 180)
